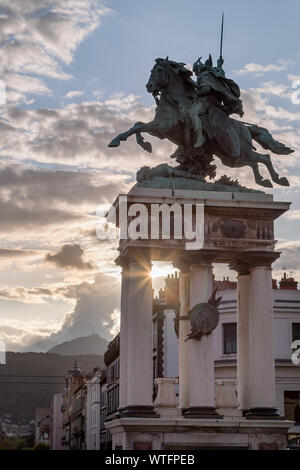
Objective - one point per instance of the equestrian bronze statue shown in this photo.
(196, 115)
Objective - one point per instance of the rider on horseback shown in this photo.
(217, 98)
(216, 89)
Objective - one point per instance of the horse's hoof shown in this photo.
(114, 143)
(148, 147)
(266, 183)
(283, 181)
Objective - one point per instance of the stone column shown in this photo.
(201, 353)
(261, 382)
(139, 341)
(183, 347)
(243, 319)
(124, 334)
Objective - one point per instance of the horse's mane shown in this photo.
(179, 68)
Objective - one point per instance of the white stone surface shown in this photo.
(170, 345)
(243, 320)
(166, 396)
(57, 422)
(166, 402)
(139, 365)
(124, 337)
(183, 347)
(261, 382)
(201, 353)
(181, 433)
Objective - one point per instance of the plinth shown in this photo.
(234, 228)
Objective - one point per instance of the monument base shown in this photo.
(263, 413)
(201, 412)
(198, 434)
(138, 412)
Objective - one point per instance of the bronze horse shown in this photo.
(227, 138)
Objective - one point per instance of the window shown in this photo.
(291, 405)
(229, 338)
(296, 331)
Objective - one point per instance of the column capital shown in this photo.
(262, 260)
(122, 261)
(137, 256)
(241, 268)
(254, 259)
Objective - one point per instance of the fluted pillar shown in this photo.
(255, 340)
(183, 349)
(124, 335)
(243, 319)
(262, 400)
(201, 353)
(139, 341)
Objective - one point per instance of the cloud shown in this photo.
(16, 216)
(69, 256)
(258, 69)
(37, 37)
(272, 88)
(23, 294)
(17, 335)
(96, 311)
(73, 94)
(31, 198)
(290, 257)
(292, 214)
(13, 253)
(79, 134)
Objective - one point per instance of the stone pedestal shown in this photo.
(198, 434)
(238, 230)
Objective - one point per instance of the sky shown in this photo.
(75, 74)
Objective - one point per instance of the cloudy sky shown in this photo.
(75, 74)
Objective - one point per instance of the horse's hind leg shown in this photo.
(258, 178)
(266, 160)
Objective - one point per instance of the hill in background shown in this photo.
(29, 380)
(92, 344)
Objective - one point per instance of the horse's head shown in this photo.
(168, 74)
(159, 77)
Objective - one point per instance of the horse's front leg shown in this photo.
(138, 127)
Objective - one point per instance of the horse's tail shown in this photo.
(264, 138)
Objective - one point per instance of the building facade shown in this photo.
(74, 409)
(93, 403)
(90, 401)
(57, 422)
(286, 308)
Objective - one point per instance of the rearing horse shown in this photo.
(177, 92)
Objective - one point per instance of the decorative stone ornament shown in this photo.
(233, 229)
(204, 317)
